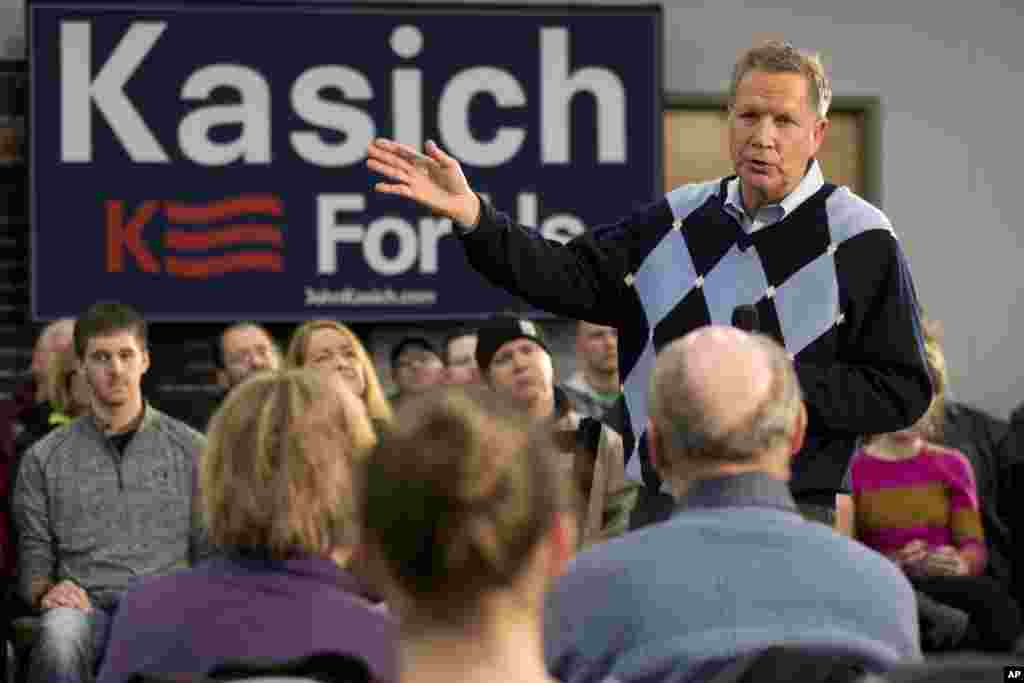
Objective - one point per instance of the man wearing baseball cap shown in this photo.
(514, 360)
(416, 366)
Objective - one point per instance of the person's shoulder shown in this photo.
(850, 215)
(175, 430)
(841, 556)
(947, 455)
(639, 548)
(166, 594)
(685, 199)
(840, 550)
(63, 440)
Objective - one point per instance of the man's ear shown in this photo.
(820, 128)
(797, 442)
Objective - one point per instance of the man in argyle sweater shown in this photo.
(821, 266)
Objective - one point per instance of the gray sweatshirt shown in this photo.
(88, 513)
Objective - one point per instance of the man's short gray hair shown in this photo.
(776, 56)
(688, 431)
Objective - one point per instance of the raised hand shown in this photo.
(434, 179)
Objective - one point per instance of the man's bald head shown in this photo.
(721, 395)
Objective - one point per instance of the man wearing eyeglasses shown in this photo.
(416, 366)
(244, 349)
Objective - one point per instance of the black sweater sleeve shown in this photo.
(879, 382)
(582, 279)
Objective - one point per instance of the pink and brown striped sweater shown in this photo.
(931, 496)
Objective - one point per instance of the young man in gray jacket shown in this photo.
(102, 501)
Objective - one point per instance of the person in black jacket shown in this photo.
(821, 267)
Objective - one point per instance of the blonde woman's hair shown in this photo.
(776, 56)
(457, 495)
(377, 404)
(278, 475)
(931, 425)
(63, 366)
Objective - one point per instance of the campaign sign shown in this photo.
(206, 161)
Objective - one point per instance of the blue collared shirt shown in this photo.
(772, 213)
(749, 489)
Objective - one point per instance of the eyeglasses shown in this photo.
(421, 360)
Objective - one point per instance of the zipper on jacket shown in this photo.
(116, 458)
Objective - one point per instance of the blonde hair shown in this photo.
(457, 495)
(931, 424)
(377, 404)
(278, 473)
(776, 56)
(59, 372)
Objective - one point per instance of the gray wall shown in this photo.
(951, 78)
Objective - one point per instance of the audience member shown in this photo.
(515, 362)
(242, 350)
(467, 512)
(986, 440)
(331, 347)
(595, 386)
(278, 482)
(67, 388)
(416, 366)
(14, 414)
(238, 351)
(736, 568)
(460, 357)
(916, 502)
(103, 500)
(27, 417)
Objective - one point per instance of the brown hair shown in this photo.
(105, 318)
(277, 473)
(457, 495)
(62, 368)
(376, 401)
(776, 56)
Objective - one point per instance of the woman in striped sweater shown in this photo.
(916, 502)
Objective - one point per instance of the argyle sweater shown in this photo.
(829, 281)
(930, 497)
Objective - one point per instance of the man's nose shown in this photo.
(763, 135)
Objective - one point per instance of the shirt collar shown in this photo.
(148, 417)
(749, 489)
(773, 213)
(319, 568)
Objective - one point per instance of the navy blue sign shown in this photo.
(207, 161)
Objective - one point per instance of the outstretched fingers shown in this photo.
(391, 171)
(394, 188)
(384, 158)
(439, 155)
